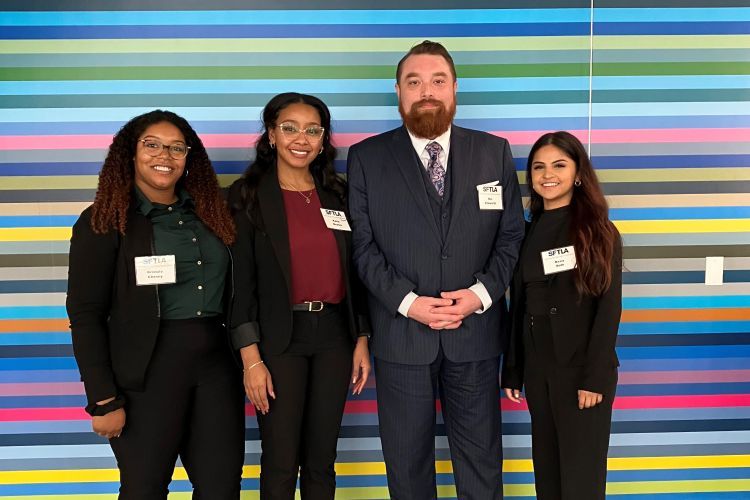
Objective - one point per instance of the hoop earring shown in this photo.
(320, 152)
(273, 145)
(186, 173)
(577, 182)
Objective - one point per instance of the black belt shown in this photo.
(312, 306)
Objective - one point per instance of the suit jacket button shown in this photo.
(444, 257)
(553, 310)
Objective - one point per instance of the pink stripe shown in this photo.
(42, 389)
(41, 414)
(711, 401)
(684, 377)
(345, 140)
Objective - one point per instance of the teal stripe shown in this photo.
(701, 15)
(35, 339)
(33, 312)
(88, 87)
(286, 17)
(707, 302)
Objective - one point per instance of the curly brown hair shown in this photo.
(116, 179)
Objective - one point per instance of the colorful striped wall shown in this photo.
(660, 90)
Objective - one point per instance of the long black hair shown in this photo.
(321, 168)
(594, 236)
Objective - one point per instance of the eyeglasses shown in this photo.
(154, 147)
(290, 130)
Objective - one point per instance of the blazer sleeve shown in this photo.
(601, 357)
(498, 270)
(383, 280)
(91, 276)
(244, 328)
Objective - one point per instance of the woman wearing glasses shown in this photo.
(298, 316)
(146, 300)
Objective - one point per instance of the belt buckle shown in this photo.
(314, 305)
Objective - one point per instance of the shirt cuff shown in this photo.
(406, 303)
(483, 295)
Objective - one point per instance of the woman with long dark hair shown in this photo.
(299, 315)
(565, 310)
(146, 300)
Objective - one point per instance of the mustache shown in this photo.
(433, 102)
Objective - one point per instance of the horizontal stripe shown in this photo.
(684, 377)
(685, 264)
(684, 327)
(669, 28)
(684, 290)
(636, 303)
(648, 315)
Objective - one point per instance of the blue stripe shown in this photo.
(39, 376)
(33, 312)
(664, 277)
(33, 286)
(671, 161)
(37, 220)
(688, 327)
(672, 28)
(14, 364)
(13, 339)
(684, 390)
(674, 302)
(689, 352)
(677, 213)
(649, 365)
(361, 86)
(46, 401)
(285, 17)
(701, 15)
(293, 31)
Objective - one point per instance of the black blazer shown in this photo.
(399, 248)
(584, 333)
(262, 308)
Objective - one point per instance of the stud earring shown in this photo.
(577, 182)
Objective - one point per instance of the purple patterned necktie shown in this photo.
(434, 168)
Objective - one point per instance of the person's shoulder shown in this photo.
(377, 141)
(479, 135)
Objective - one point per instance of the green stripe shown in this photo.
(672, 68)
(259, 100)
(669, 95)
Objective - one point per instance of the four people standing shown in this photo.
(437, 224)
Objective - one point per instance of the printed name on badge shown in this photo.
(155, 270)
(558, 260)
(490, 196)
(335, 219)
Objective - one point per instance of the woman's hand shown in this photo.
(513, 394)
(258, 386)
(256, 378)
(109, 425)
(588, 399)
(360, 365)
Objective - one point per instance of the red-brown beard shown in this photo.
(428, 123)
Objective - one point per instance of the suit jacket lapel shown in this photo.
(461, 162)
(403, 152)
(271, 205)
(329, 200)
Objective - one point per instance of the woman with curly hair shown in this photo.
(565, 312)
(299, 316)
(146, 300)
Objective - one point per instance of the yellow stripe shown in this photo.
(45, 208)
(683, 226)
(693, 462)
(292, 45)
(50, 182)
(691, 486)
(35, 234)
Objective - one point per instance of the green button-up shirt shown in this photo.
(201, 258)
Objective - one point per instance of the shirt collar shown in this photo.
(145, 206)
(420, 143)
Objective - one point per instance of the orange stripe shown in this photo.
(33, 325)
(719, 314)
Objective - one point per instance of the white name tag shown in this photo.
(558, 260)
(155, 270)
(335, 219)
(490, 196)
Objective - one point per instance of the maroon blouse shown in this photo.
(315, 261)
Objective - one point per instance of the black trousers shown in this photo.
(300, 432)
(569, 445)
(192, 406)
(470, 397)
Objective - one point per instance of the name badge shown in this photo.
(335, 219)
(155, 270)
(558, 260)
(490, 196)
